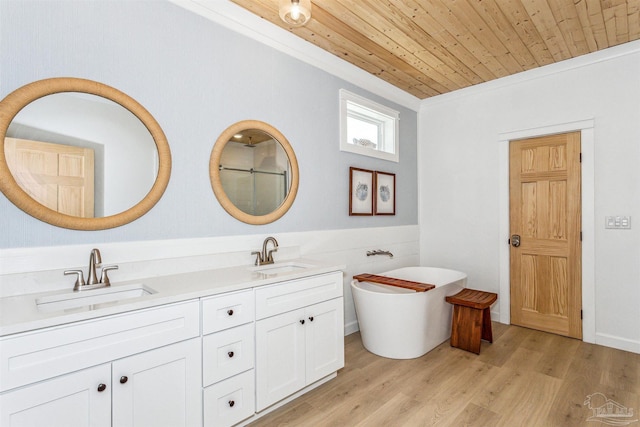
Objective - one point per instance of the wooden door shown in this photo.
(545, 212)
(60, 177)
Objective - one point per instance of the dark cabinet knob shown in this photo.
(102, 387)
(230, 354)
(231, 403)
(123, 379)
(302, 321)
(230, 312)
(311, 318)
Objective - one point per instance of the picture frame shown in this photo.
(361, 188)
(385, 193)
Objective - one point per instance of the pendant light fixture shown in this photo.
(295, 12)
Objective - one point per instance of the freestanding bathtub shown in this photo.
(400, 323)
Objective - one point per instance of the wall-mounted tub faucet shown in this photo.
(379, 252)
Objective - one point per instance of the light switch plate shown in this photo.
(618, 222)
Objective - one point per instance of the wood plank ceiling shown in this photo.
(430, 47)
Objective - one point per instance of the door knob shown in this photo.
(123, 379)
(515, 240)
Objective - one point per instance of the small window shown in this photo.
(368, 128)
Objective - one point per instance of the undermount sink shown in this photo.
(94, 298)
(280, 267)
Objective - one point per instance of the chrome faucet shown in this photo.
(95, 260)
(266, 257)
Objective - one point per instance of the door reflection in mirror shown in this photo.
(125, 157)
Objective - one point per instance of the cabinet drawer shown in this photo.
(46, 353)
(226, 311)
(287, 296)
(227, 353)
(230, 401)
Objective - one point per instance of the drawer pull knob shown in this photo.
(230, 312)
(123, 379)
(302, 321)
(102, 387)
(230, 354)
(231, 403)
(311, 318)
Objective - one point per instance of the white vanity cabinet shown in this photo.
(228, 355)
(218, 359)
(92, 373)
(299, 335)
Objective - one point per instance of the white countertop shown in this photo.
(21, 314)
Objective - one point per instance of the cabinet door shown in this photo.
(324, 339)
(161, 387)
(280, 357)
(70, 400)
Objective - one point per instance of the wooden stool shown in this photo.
(471, 318)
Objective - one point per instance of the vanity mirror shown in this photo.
(79, 154)
(254, 172)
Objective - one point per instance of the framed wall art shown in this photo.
(385, 193)
(360, 191)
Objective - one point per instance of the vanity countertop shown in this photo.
(21, 314)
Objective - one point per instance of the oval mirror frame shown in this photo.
(11, 105)
(216, 183)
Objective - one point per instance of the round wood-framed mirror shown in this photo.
(81, 90)
(254, 172)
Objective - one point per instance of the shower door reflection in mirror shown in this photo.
(255, 174)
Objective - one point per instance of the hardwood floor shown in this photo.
(525, 378)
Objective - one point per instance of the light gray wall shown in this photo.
(196, 78)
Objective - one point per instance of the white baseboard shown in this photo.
(620, 343)
(351, 327)
(606, 340)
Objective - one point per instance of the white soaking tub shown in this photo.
(400, 323)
